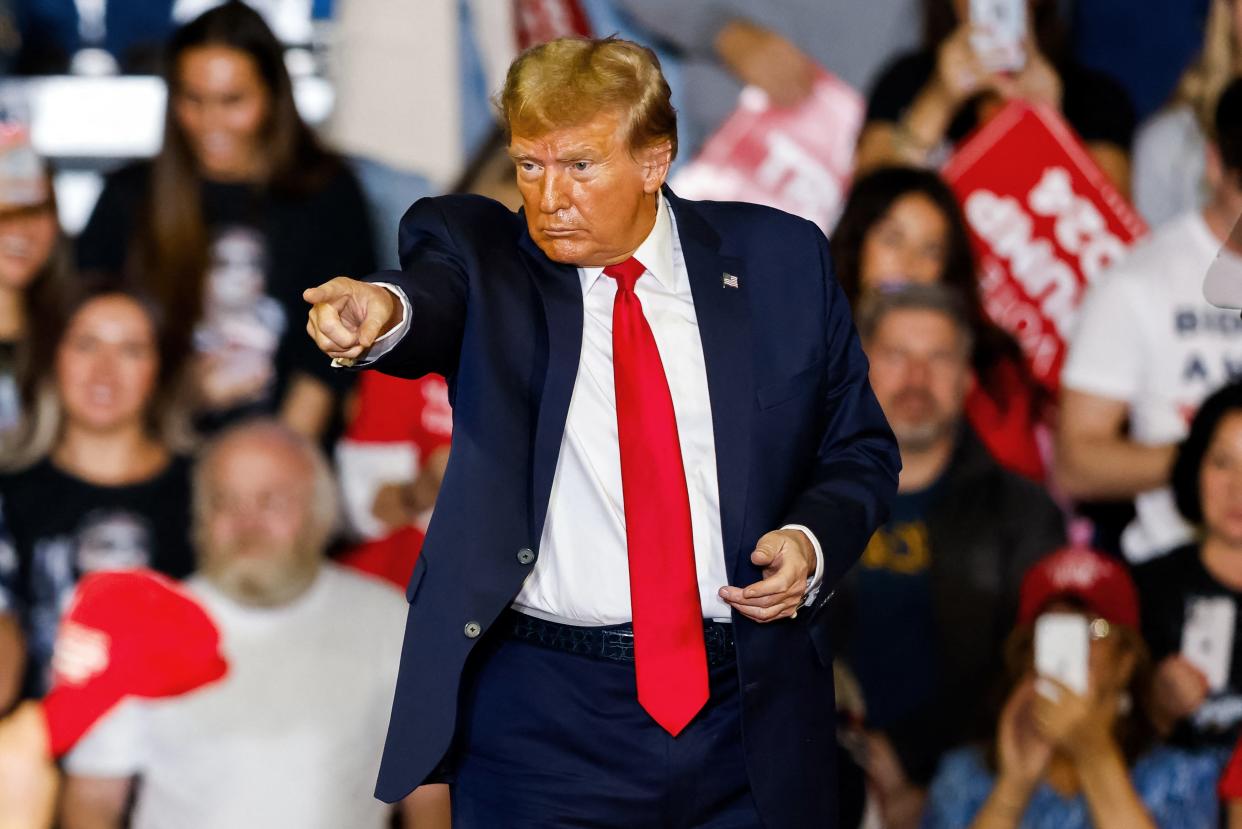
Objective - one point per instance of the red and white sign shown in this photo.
(1045, 221)
(539, 21)
(798, 159)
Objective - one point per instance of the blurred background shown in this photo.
(1023, 198)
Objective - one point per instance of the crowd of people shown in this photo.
(162, 407)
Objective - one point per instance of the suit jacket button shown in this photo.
(526, 555)
(473, 629)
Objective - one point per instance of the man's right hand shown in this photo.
(347, 316)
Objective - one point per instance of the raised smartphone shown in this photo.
(1062, 645)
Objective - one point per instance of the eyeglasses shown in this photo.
(267, 503)
(26, 211)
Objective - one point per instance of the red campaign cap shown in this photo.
(126, 633)
(1230, 787)
(1096, 580)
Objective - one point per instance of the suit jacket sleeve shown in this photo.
(434, 278)
(854, 477)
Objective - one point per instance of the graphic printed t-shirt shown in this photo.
(265, 250)
(893, 646)
(1169, 587)
(58, 527)
(1147, 337)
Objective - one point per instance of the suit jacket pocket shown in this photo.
(416, 578)
(777, 392)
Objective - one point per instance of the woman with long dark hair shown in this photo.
(99, 485)
(928, 100)
(34, 270)
(902, 224)
(1197, 707)
(241, 210)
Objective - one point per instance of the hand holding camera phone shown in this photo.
(998, 33)
(1062, 648)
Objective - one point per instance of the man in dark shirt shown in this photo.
(936, 590)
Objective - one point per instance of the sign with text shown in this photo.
(797, 158)
(539, 21)
(1045, 222)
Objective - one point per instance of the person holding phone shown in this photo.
(976, 56)
(1075, 758)
(1191, 596)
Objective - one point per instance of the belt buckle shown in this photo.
(618, 645)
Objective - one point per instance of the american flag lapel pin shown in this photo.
(730, 281)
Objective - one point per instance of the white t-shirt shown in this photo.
(1168, 167)
(1146, 336)
(292, 736)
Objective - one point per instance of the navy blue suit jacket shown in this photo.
(799, 439)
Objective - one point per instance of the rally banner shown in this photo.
(1045, 222)
(539, 21)
(798, 159)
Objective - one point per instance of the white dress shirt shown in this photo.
(581, 576)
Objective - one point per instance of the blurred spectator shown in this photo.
(28, 780)
(1170, 150)
(377, 119)
(241, 211)
(34, 269)
(1231, 789)
(929, 604)
(1147, 349)
(102, 489)
(10, 40)
(1069, 760)
(1145, 47)
(774, 45)
(927, 101)
(390, 464)
(292, 736)
(1192, 580)
(53, 31)
(902, 224)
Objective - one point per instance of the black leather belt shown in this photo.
(614, 643)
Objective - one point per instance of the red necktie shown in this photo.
(670, 661)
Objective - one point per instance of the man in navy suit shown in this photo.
(665, 455)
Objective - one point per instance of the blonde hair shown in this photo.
(1218, 63)
(566, 82)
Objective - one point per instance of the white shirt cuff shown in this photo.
(388, 340)
(817, 578)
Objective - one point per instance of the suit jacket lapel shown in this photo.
(560, 292)
(724, 327)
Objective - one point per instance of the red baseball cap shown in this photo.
(1098, 581)
(126, 633)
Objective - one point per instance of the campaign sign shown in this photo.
(797, 158)
(1045, 222)
(539, 21)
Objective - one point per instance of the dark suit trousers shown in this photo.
(552, 740)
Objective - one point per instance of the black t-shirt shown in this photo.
(1169, 588)
(893, 649)
(265, 250)
(1095, 105)
(57, 527)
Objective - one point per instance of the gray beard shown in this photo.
(268, 589)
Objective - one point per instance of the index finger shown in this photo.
(325, 292)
